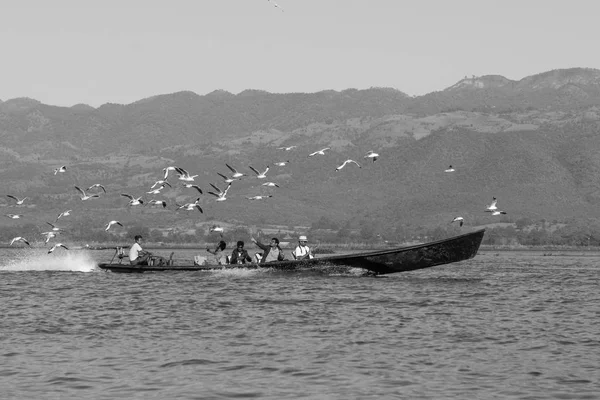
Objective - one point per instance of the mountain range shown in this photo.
(533, 144)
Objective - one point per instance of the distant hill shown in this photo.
(532, 143)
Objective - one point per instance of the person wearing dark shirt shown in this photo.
(239, 255)
(272, 252)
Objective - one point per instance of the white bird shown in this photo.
(449, 169)
(216, 228)
(221, 195)
(321, 152)
(191, 186)
(371, 154)
(191, 206)
(184, 175)
(85, 196)
(157, 190)
(19, 239)
(259, 197)
(14, 216)
(161, 182)
(496, 212)
(157, 203)
(97, 185)
(111, 223)
(347, 162)
(225, 178)
(281, 163)
(19, 201)
(54, 227)
(57, 245)
(460, 220)
(270, 184)
(235, 173)
(166, 171)
(50, 235)
(133, 201)
(286, 148)
(259, 175)
(275, 5)
(62, 168)
(492, 206)
(63, 214)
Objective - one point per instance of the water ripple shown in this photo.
(508, 326)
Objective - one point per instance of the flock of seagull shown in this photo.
(188, 181)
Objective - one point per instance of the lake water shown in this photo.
(501, 326)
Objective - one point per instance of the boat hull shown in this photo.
(389, 261)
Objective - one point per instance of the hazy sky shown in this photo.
(64, 52)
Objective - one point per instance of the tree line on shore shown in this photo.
(524, 232)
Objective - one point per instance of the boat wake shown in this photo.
(42, 261)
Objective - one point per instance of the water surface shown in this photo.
(503, 325)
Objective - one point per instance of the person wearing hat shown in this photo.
(302, 251)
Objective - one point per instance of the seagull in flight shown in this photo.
(19, 201)
(19, 239)
(286, 148)
(216, 228)
(321, 152)
(226, 179)
(372, 155)
(50, 235)
(62, 168)
(54, 227)
(259, 175)
(259, 197)
(111, 223)
(133, 201)
(496, 212)
(460, 220)
(85, 196)
(275, 5)
(184, 175)
(191, 206)
(96, 185)
(167, 169)
(157, 190)
(190, 186)
(235, 173)
(449, 169)
(492, 206)
(347, 162)
(270, 184)
(157, 203)
(282, 163)
(161, 182)
(221, 194)
(14, 216)
(63, 214)
(56, 246)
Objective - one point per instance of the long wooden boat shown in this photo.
(379, 262)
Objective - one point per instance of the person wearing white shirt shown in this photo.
(302, 251)
(137, 256)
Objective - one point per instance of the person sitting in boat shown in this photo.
(239, 255)
(302, 251)
(138, 256)
(219, 253)
(272, 252)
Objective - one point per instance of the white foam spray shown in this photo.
(40, 260)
